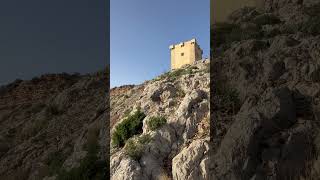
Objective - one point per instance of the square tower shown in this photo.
(185, 53)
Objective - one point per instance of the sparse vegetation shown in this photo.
(156, 122)
(228, 96)
(175, 74)
(135, 146)
(133, 149)
(129, 127)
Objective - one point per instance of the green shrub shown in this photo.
(144, 139)
(156, 122)
(228, 96)
(129, 127)
(175, 74)
(134, 148)
(231, 97)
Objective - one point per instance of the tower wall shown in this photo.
(185, 53)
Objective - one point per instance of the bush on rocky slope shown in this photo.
(175, 74)
(135, 146)
(156, 122)
(129, 127)
(228, 97)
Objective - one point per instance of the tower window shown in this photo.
(182, 54)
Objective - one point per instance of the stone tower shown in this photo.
(185, 53)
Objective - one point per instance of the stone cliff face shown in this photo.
(51, 126)
(179, 148)
(266, 66)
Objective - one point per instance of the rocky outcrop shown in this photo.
(192, 162)
(272, 133)
(51, 125)
(182, 98)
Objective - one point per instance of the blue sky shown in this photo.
(142, 30)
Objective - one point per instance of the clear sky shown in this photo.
(52, 36)
(142, 30)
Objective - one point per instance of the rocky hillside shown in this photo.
(160, 129)
(54, 127)
(266, 93)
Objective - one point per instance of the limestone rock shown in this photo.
(192, 162)
(277, 86)
(183, 101)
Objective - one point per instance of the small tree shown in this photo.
(129, 127)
